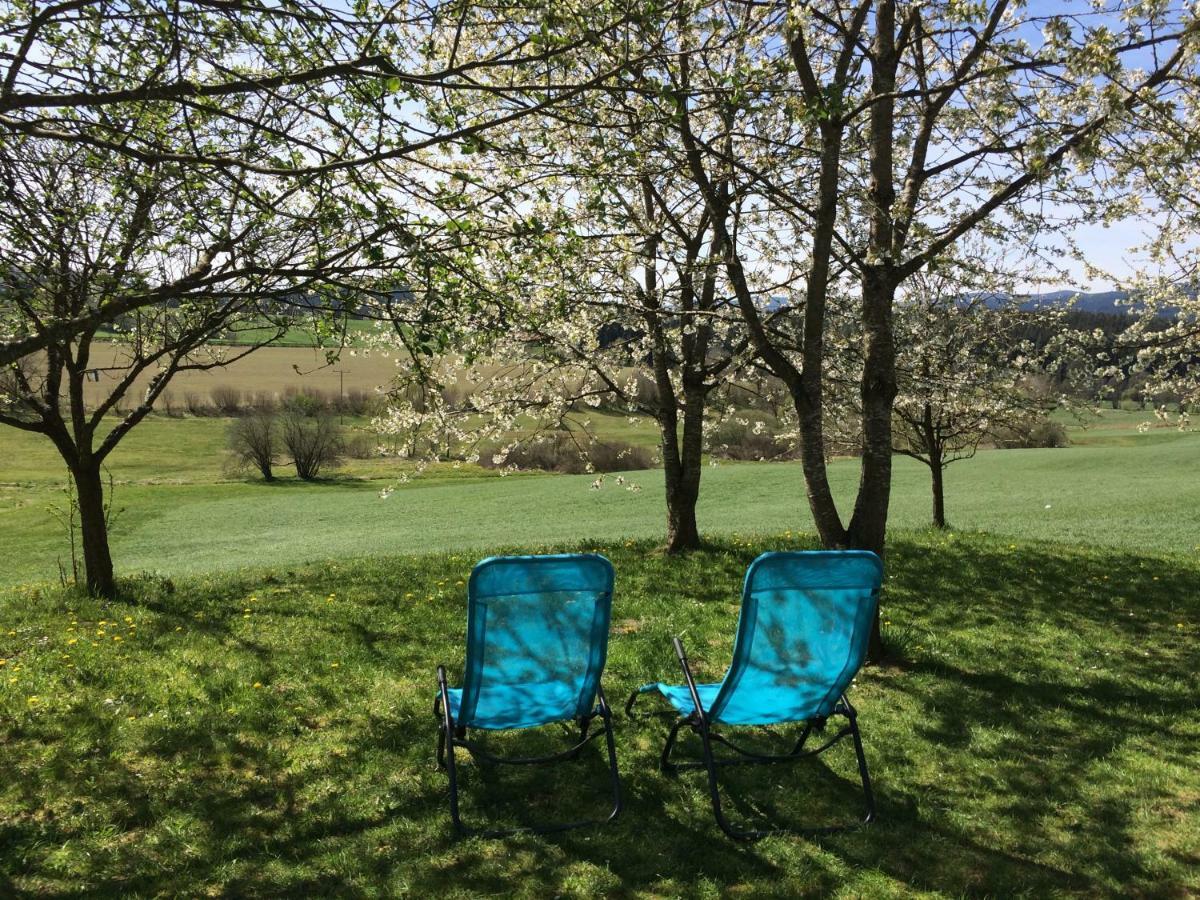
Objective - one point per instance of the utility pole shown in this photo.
(341, 394)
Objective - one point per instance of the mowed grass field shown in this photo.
(180, 512)
(269, 733)
(271, 370)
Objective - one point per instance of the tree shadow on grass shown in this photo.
(1002, 759)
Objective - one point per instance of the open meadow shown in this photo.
(180, 512)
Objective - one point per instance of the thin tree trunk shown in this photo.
(683, 489)
(93, 529)
(937, 467)
(939, 493)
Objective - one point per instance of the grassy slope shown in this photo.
(270, 734)
(1113, 488)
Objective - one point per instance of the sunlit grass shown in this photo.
(1037, 734)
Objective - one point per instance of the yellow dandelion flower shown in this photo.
(128, 619)
(246, 616)
(179, 628)
(33, 699)
(258, 684)
(117, 638)
(73, 641)
(334, 665)
(3, 662)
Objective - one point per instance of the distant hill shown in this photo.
(1108, 302)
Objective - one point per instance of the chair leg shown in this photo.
(610, 740)
(446, 751)
(868, 793)
(450, 735)
(714, 791)
(664, 760)
(711, 766)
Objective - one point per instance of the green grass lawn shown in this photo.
(270, 733)
(182, 514)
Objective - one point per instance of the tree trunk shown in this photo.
(682, 532)
(937, 467)
(93, 529)
(868, 526)
(939, 494)
(683, 478)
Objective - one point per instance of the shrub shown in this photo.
(618, 456)
(559, 452)
(226, 399)
(253, 441)
(305, 404)
(1041, 433)
(312, 441)
(195, 405)
(356, 402)
(361, 445)
(261, 401)
(756, 440)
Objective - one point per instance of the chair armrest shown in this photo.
(442, 699)
(691, 682)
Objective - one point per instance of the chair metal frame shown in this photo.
(701, 725)
(453, 734)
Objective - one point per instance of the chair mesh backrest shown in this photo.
(538, 620)
(802, 634)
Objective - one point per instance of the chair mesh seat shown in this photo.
(519, 705)
(802, 636)
(537, 637)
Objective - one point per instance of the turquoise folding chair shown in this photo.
(801, 638)
(537, 637)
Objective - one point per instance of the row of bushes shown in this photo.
(563, 452)
(761, 440)
(226, 400)
(1042, 433)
